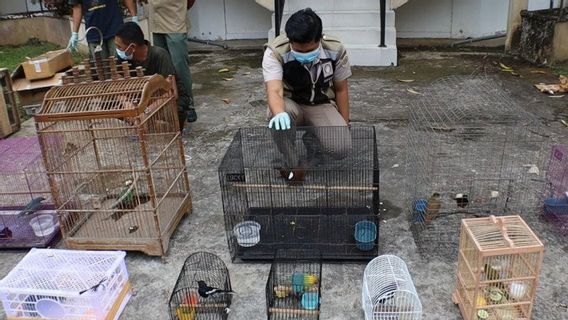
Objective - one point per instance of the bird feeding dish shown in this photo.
(365, 235)
(42, 225)
(310, 300)
(556, 205)
(48, 308)
(247, 233)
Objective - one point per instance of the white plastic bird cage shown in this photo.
(388, 291)
(66, 285)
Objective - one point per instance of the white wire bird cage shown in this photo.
(472, 152)
(388, 291)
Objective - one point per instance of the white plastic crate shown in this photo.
(67, 284)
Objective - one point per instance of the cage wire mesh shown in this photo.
(333, 209)
(293, 290)
(499, 265)
(195, 295)
(388, 291)
(115, 160)
(23, 179)
(472, 152)
(554, 195)
(67, 285)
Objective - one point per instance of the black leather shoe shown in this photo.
(191, 115)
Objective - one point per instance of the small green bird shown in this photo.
(32, 206)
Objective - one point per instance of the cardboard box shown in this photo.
(32, 92)
(47, 65)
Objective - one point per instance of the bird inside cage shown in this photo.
(462, 200)
(433, 207)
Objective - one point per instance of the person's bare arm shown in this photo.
(342, 98)
(77, 15)
(190, 4)
(131, 6)
(275, 93)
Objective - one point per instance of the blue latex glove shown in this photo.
(72, 46)
(135, 19)
(280, 121)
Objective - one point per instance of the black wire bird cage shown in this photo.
(189, 302)
(302, 188)
(472, 152)
(293, 290)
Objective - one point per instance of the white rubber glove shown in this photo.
(72, 46)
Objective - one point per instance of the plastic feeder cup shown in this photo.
(420, 209)
(556, 206)
(310, 300)
(365, 235)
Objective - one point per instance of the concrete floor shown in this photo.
(377, 98)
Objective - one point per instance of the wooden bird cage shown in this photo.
(498, 268)
(9, 116)
(115, 159)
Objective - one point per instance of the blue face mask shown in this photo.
(306, 57)
(123, 55)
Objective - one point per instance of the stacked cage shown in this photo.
(333, 209)
(9, 115)
(202, 290)
(473, 152)
(293, 290)
(66, 285)
(554, 197)
(115, 160)
(388, 291)
(498, 268)
(27, 215)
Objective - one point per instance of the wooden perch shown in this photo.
(296, 312)
(315, 187)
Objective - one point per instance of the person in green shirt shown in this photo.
(131, 46)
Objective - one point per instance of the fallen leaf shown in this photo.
(227, 101)
(223, 70)
(227, 79)
(406, 80)
(564, 123)
(538, 71)
(396, 165)
(515, 74)
(412, 91)
(246, 73)
(507, 70)
(504, 66)
(556, 96)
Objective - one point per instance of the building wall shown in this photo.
(451, 18)
(18, 6)
(229, 19)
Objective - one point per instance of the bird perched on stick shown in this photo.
(462, 200)
(206, 291)
(433, 207)
(32, 206)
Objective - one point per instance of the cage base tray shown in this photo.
(22, 234)
(292, 228)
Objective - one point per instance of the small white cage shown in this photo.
(66, 284)
(388, 291)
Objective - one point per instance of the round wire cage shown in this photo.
(202, 290)
(388, 291)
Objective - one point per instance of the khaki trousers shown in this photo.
(325, 132)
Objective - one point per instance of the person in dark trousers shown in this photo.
(106, 15)
(305, 74)
(168, 21)
(131, 46)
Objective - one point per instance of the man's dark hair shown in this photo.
(130, 32)
(304, 26)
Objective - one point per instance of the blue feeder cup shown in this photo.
(365, 235)
(557, 206)
(310, 300)
(420, 209)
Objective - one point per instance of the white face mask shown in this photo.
(123, 55)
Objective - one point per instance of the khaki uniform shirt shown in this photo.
(168, 16)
